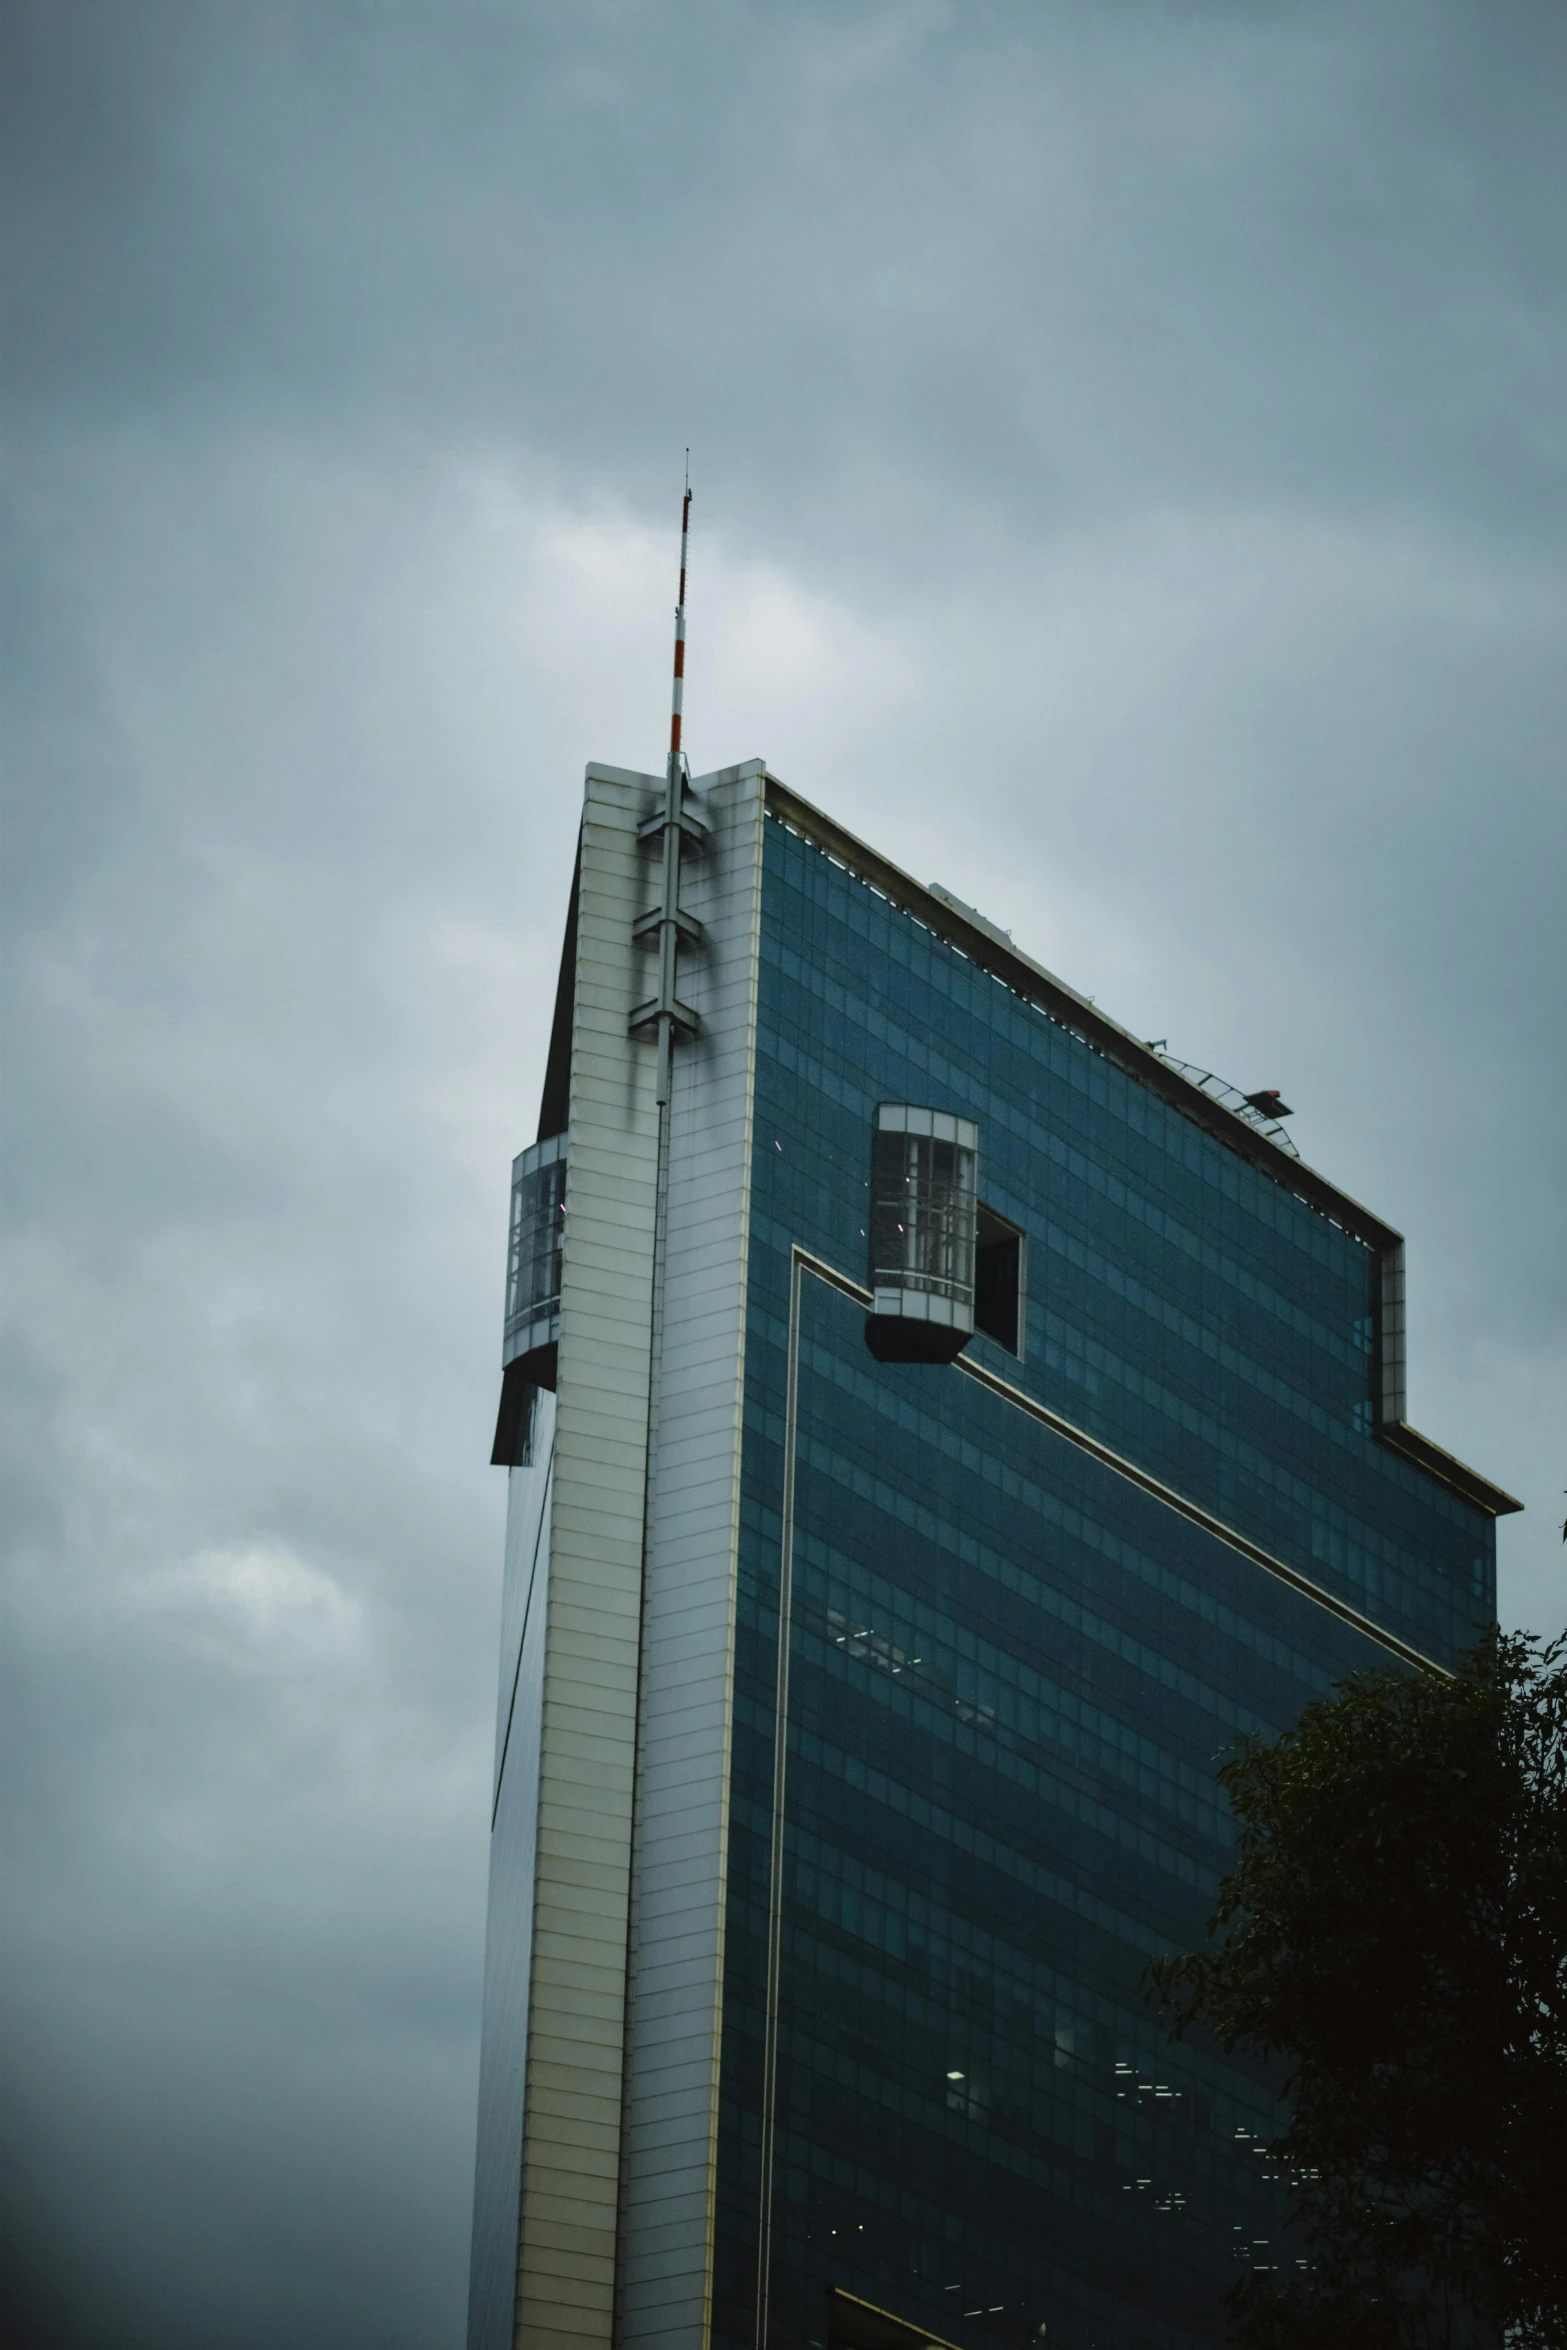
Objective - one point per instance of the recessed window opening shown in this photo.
(517, 1422)
(998, 1280)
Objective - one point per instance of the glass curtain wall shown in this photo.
(1013, 1673)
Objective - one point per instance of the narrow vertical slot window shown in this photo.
(998, 1280)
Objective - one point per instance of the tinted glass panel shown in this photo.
(1013, 1672)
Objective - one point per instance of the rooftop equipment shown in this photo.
(1261, 1110)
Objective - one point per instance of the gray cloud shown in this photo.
(1130, 471)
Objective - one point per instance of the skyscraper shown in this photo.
(934, 1434)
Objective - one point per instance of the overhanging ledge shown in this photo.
(1399, 1437)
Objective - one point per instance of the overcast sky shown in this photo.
(1129, 448)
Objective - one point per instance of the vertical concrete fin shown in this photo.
(1393, 1401)
(669, 2154)
(577, 1987)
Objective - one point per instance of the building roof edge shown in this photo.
(987, 947)
(1399, 1437)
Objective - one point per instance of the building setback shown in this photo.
(1056, 1410)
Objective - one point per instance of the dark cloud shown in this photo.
(1130, 472)
(1008, 261)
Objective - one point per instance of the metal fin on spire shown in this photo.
(675, 826)
(680, 618)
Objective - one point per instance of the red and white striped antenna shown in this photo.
(680, 620)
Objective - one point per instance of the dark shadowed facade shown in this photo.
(934, 1437)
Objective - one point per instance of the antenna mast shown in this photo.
(680, 621)
(674, 825)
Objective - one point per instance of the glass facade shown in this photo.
(1013, 1671)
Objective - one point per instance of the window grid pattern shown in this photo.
(1014, 1673)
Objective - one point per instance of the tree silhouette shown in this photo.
(1395, 1931)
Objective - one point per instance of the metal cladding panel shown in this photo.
(572, 2117)
(509, 1930)
(682, 1823)
(527, 1549)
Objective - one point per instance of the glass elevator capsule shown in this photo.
(923, 1213)
(533, 1258)
(531, 1346)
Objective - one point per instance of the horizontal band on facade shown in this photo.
(1108, 1458)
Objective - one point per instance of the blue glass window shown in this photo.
(1013, 1671)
